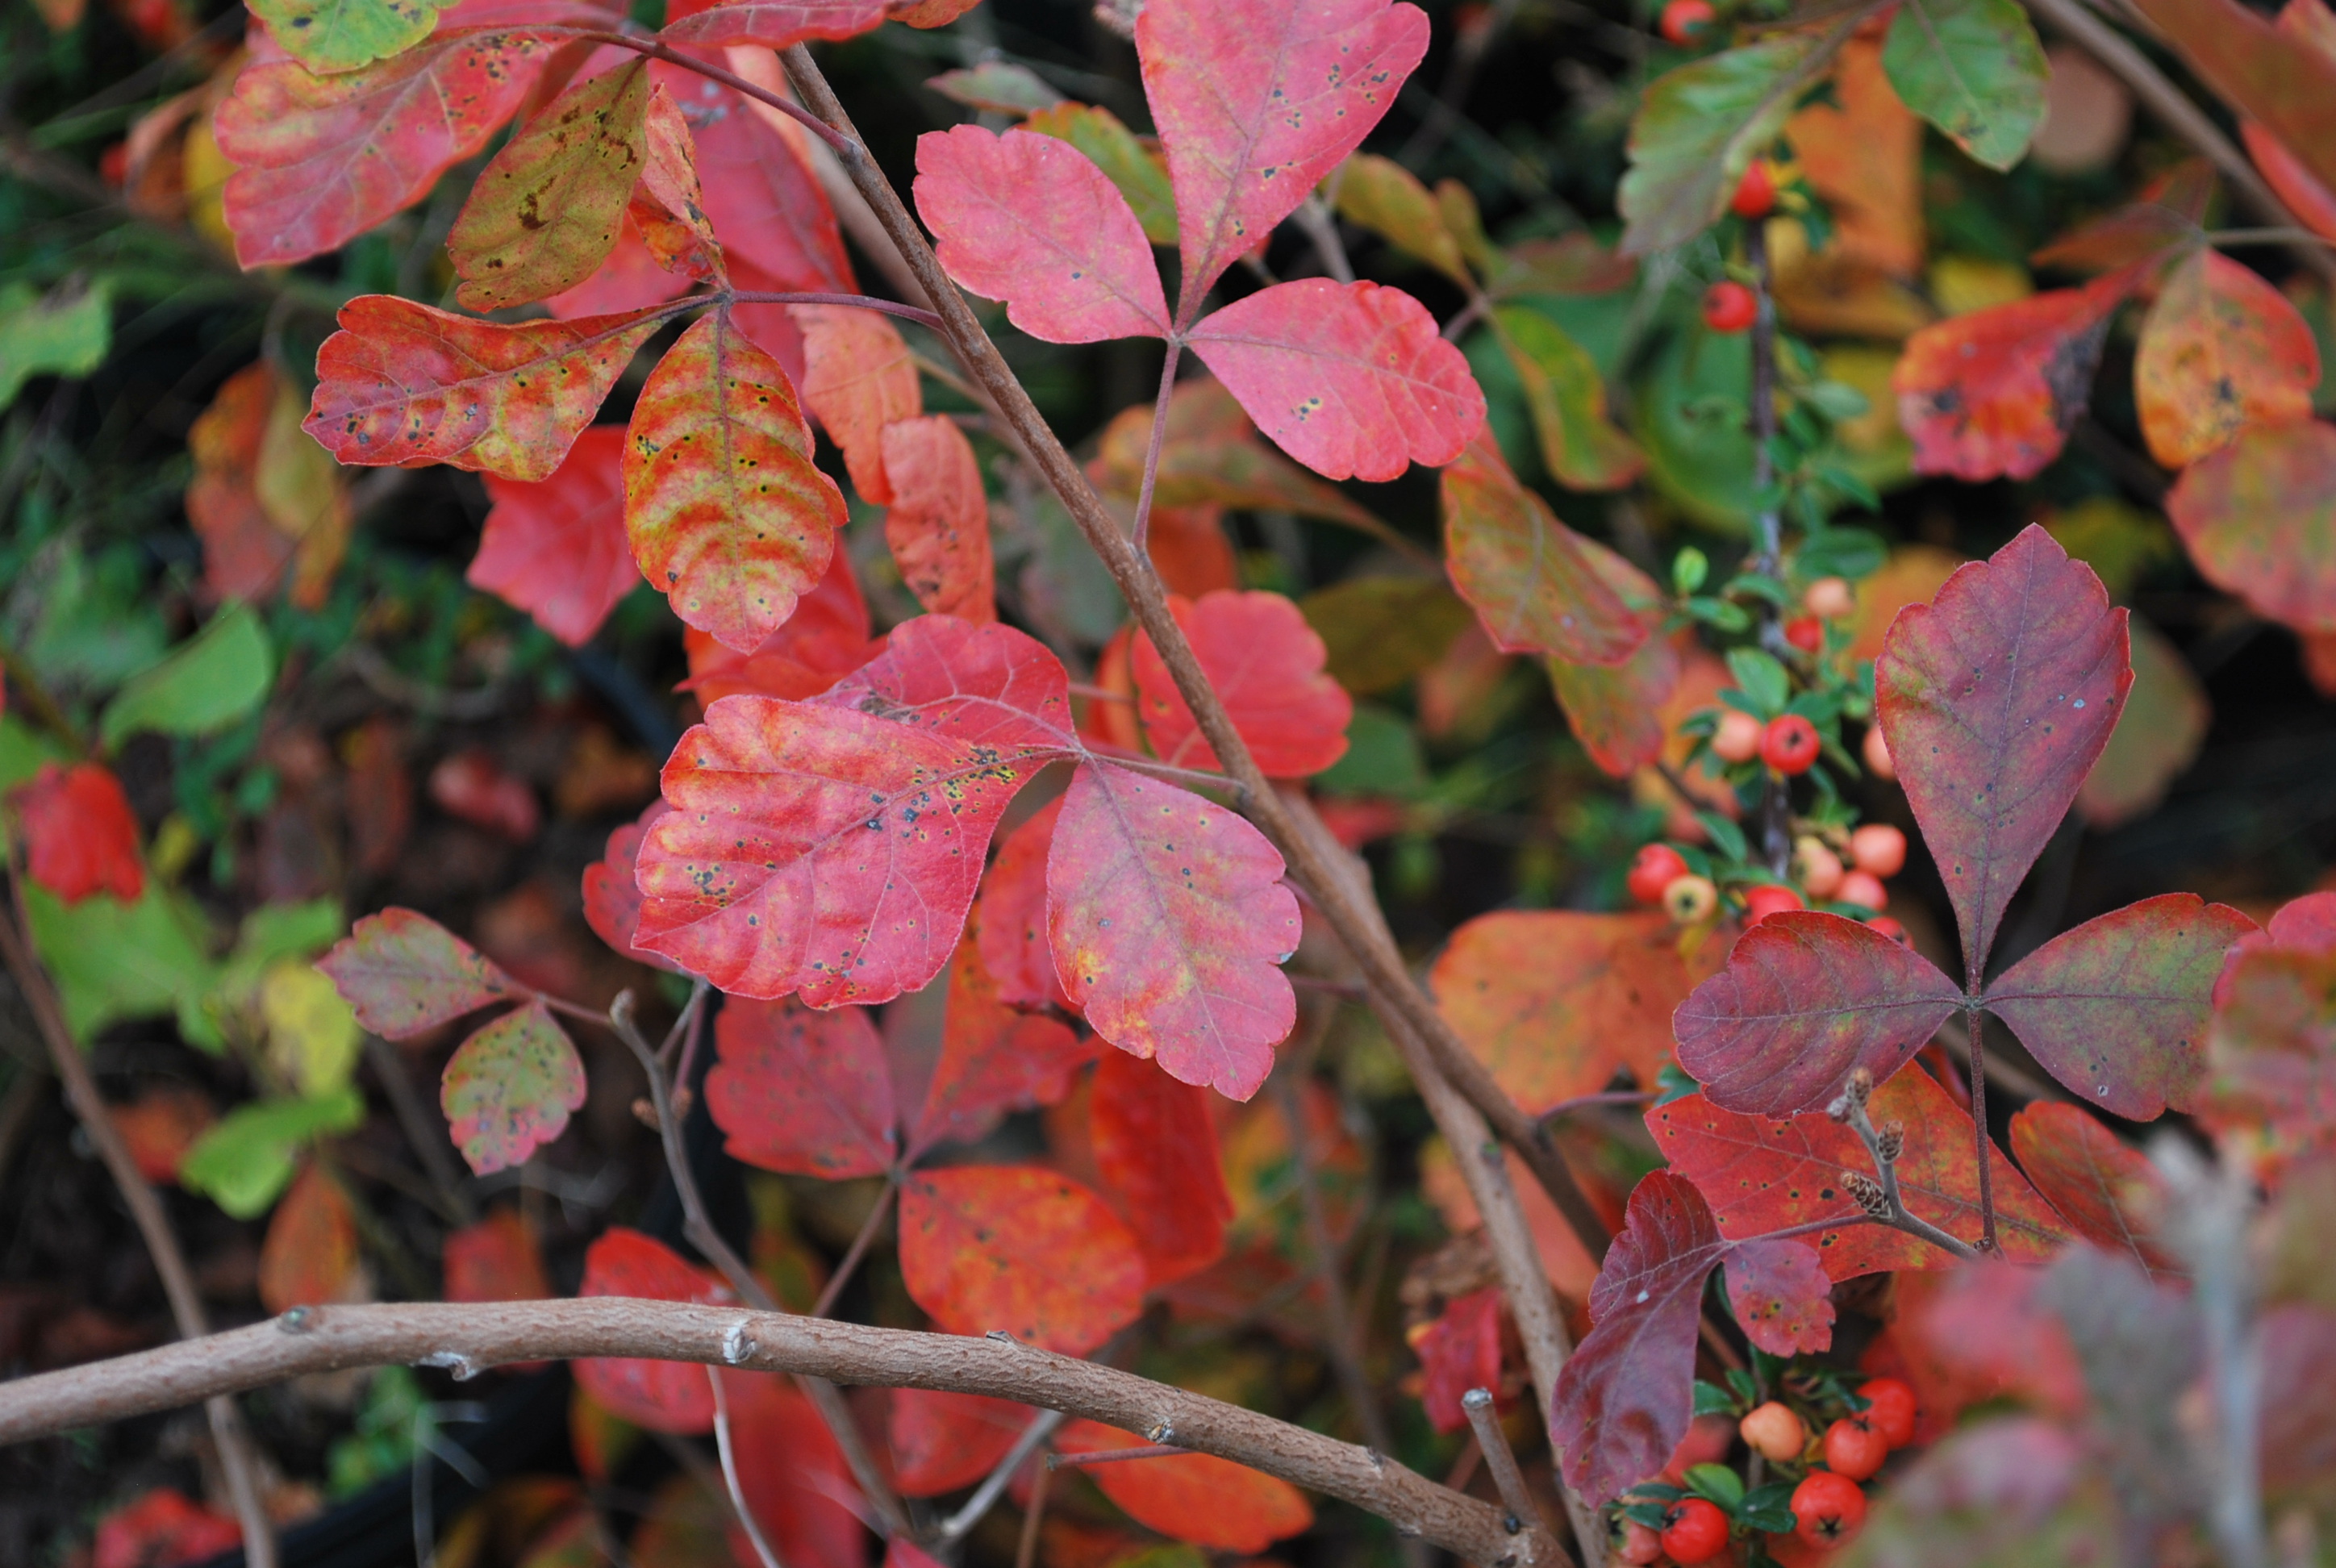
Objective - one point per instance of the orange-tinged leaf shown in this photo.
(857, 379)
(774, 23)
(511, 1087)
(994, 1059)
(310, 1256)
(1554, 1001)
(985, 1248)
(244, 552)
(79, 837)
(403, 973)
(1861, 153)
(2272, 1044)
(1532, 581)
(2274, 74)
(2306, 196)
(1992, 394)
(802, 1093)
(1170, 923)
(1619, 711)
(1196, 1498)
(556, 548)
(760, 197)
(793, 1474)
(1384, 196)
(495, 1259)
(160, 1125)
(668, 205)
(1013, 923)
(943, 1441)
(1266, 666)
(2165, 220)
(663, 1395)
(2220, 349)
(1156, 1147)
(404, 383)
(2105, 1189)
(1210, 454)
(2259, 518)
(826, 639)
(938, 527)
(725, 509)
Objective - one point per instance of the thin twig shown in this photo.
(1026, 1551)
(1880, 1197)
(915, 313)
(430, 1143)
(1151, 447)
(1320, 225)
(722, 1447)
(1588, 1102)
(858, 1248)
(1113, 1455)
(1983, 1146)
(846, 148)
(1042, 1427)
(1499, 1457)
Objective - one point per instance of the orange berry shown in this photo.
(1768, 898)
(1697, 1532)
(1890, 1407)
(1756, 193)
(1862, 888)
(1816, 868)
(1737, 738)
(1682, 20)
(1829, 598)
(1657, 867)
(1879, 848)
(1854, 1447)
(1827, 1509)
(1774, 1432)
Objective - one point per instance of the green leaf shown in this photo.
(1690, 419)
(1974, 69)
(333, 36)
(1113, 148)
(1382, 758)
(1701, 125)
(1850, 552)
(1725, 836)
(22, 750)
(116, 960)
(208, 685)
(249, 1156)
(1579, 445)
(1384, 196)
(1717, 1481)
(1760, 678)
(1711, 1399)
(66, 333)
(1380, 631)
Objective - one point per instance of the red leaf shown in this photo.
(310, 1256)
(1807, 998)
(403, 973)
(1537, 586)
(612, 897)
(1617, 710)
(511, 1087)
(663, 1395)
(557, 549)
(826, 639)
(774, 23)
(2117, 1009)
(160, 1125)
(495, 1259)
(162, 1529)
(1353, 380)
(2221, 350)
(1196, 1498)
(1267, 665)
(985, 1248)
(793, 1474)
(1778, 1291)
(402, 384)
(1764, 1176)
(629, 280)
(1156, 1147)
(243, 554)
(1169, 924)
(667, 208)
(2273, 1044)
(943, 1441)
(1992, 394)
(472, 785)
(2311, 201)
(1256, 103)
(857, 379)
(1013, 923)
(79, 837)
(802, 1093)
(832, 847)
(1031, 220)
(1997, 697)
(2278, 74)
(1459, 1352)
(938, 528)
(760, 197)
(2259, 517)
(322, 159)
(2105, 1190)
(993, 1059)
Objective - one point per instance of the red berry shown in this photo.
(1737, 736)
(1862, 888)
(1768, 898)
(1696, 1531)
(1729, 307)
(1640, 1544)
(1756, 193)
(1891, 1405)
(1879, 848)
(1827, 1509)
(1683, 19)
(1657, 868)
(1891, 928)
(1854, 1447)
(1774, 1432)
(1806, 632)
(1790, 744)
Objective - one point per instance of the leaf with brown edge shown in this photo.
(857, 379)
(2259, 519)
(402, 383)
(802, 1093)
(1617, 710)
(938, 527)
(1195, 1497)
(1013, 917)
(2117, 1009)
(1532, 581)
(1991, 393)
(1553, 1001)
(1781, 1296)
(994, 1059)
(674, 1397)
(1170, 923)
(510, 1088)
(831, 847)
(1807, 999)
(2220, 349)
(545, 212)
(1997, 698)
(1266, 664)
(727, 512)
(990, 1247)
(1762, 1175)
(2108, 1190)
(403, 973)
(1156, 1148)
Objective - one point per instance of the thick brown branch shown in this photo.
(471, 1335)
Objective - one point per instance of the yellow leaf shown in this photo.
(312, 1035)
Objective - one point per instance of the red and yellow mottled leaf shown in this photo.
(1156, 1147)
(2220, 349)
(804, 1092)
(1266, 666)
(725, 509)
(826, 639)
(2117, 1009)
(2259, 518)
(1779, 1292)
(793, 1474)
(79, 835)
(1170, 923)
(664, 1396)
(760, 197)
(1992, 394)
(858, 378)
(511, 1087)
(402, 384)
(985, 1248)
(1533, 581)
(1029, 220)
(774, 23)
(495, 1259)
(403, 973)
(310, 1256)
(556, 548)
(1996, 698)
(1353, 380)
(1807, 999)
(938, 527)
(1256, 103)
(943, 1441)
(1196, 1498)
(1013, 931)
(994, 1059)
(2107, 1190)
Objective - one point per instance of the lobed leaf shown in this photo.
(668, 208)
(994, 1059)
(1533, 581)
(612, 897)
(1013, 917)
(510, 1088)
(215, 678)
(802, 1093)
(1974, 69)
(938, 527)
(1140, 173)
(404, 974)
(2108, 1190)
(986, 1248)
(2259, 520)
(1156, 1149)
(1196, 1498)
(2221, 350)
(243, 1160)
(2272, 1044)
(556, 548)
(673, 1396)
(1701, 124)
(1265, 664)
(826, 639)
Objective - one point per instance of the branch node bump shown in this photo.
(299, 1319)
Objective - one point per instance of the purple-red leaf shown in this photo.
(773, 24)
(1807, 998)
(1779, 1292)
(802, 1093)
(2103, 1188)
(403, 973)
(1996, 698)
(2259, 518)
(1460, 1350)
(556, 548)
(1537, 586)
(510, 1089)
